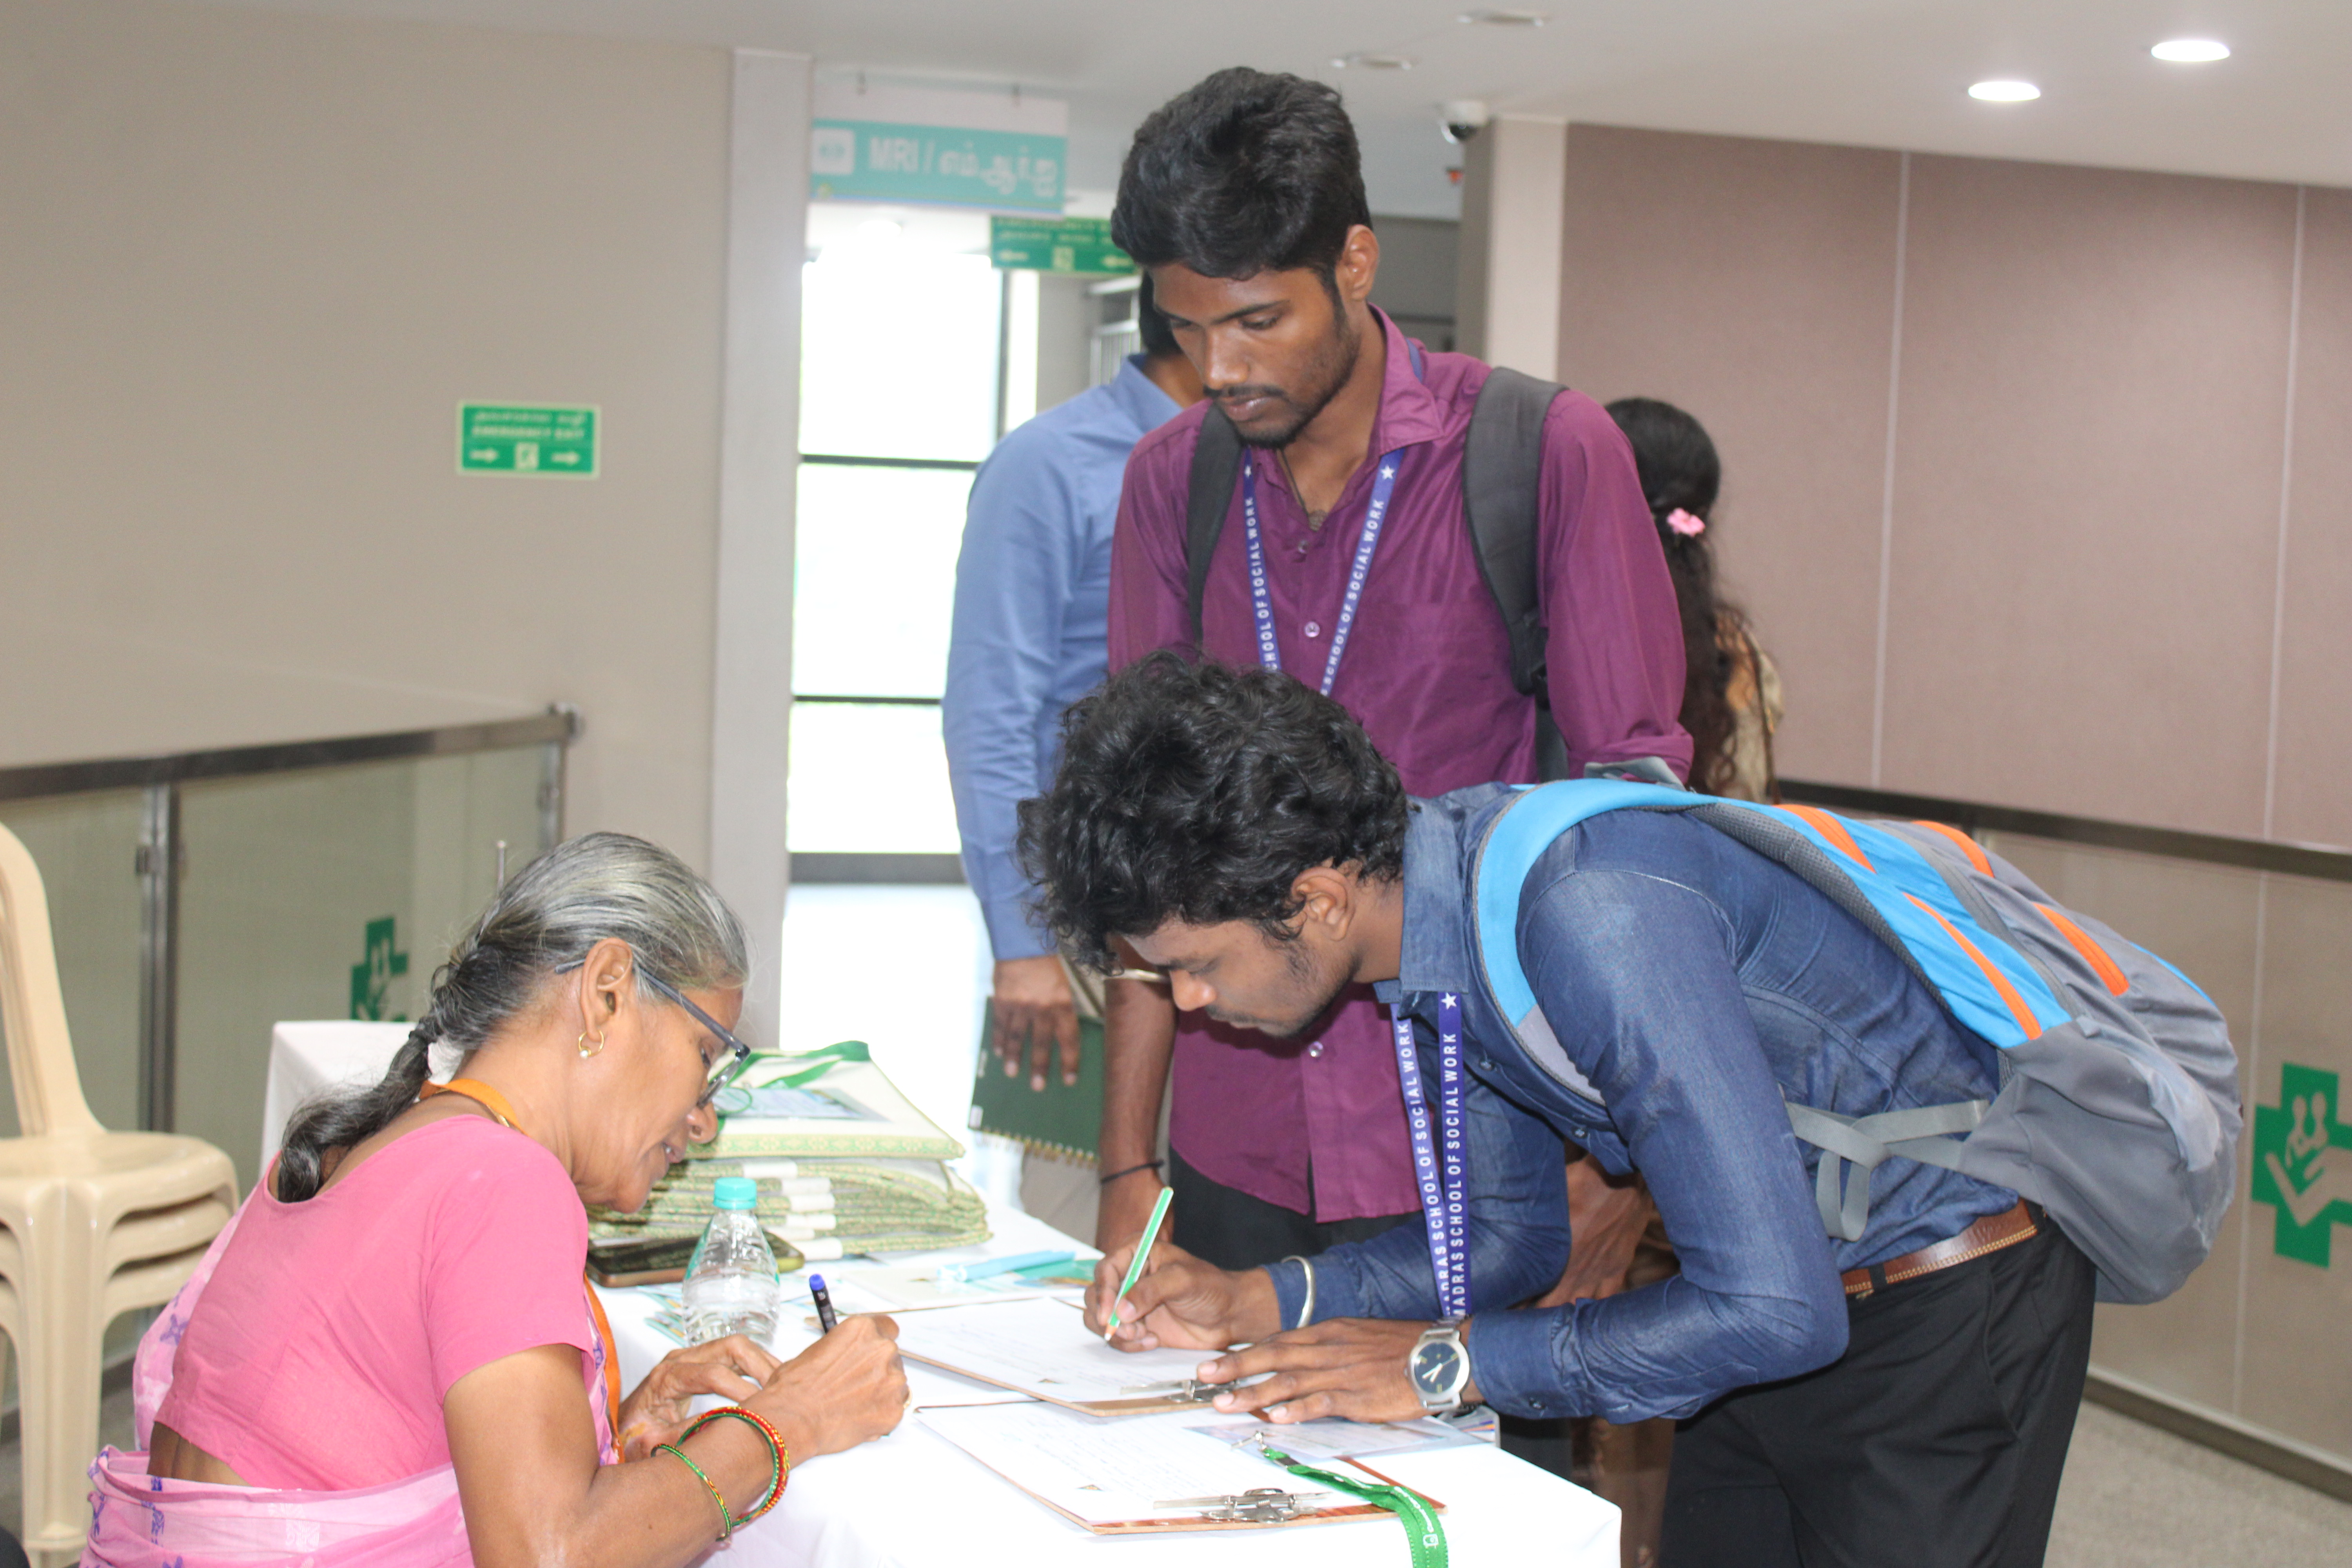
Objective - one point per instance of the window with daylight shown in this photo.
(900, 396)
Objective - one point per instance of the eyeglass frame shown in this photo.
(720, 1073)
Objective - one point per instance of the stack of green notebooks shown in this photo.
(1061, 1119)
(843, 1161)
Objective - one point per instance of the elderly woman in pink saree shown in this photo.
(389, 1358)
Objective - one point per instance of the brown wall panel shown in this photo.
(2315, 752)
(2297, 1378)
(1752, 283)
(2087, 495)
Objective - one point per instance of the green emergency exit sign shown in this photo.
(526, 438)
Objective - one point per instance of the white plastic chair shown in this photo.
(92, 1224)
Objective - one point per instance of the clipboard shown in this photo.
(1040, 1347)
(1029, 1447)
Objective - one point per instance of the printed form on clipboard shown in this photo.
(1041, 1348)
(1170, 1472)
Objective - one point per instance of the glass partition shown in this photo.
(87, 847)
(328, 893)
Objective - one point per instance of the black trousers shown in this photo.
(1233, 1230)
(1936, 1441)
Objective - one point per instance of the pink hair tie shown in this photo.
(1687, 525)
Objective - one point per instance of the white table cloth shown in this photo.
(307, 1058)
(915, 1500)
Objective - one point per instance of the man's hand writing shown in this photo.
(1180, 1302)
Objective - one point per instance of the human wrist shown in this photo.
(1256, 1313)
(802, 1436)
(734, 1456)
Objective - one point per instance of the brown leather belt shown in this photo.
(1989, 1234)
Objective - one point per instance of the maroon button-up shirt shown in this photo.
(1428, 672)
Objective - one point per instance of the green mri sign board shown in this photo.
(527, 438)
(881, 161)
(1077, 245)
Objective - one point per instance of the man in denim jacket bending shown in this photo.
(1241, 832)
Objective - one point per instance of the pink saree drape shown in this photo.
(138, 1520)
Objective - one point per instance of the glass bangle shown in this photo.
(726, 1524)
(779, 1456)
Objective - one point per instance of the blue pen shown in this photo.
(823, 1299)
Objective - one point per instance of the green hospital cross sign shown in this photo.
(371, 976)
(2302, 1162)
(527, 438)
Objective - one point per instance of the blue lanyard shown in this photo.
(1438, 1166)
(1269, 651)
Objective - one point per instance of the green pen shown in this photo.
(1142, 1251)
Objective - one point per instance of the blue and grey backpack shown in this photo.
(2118, 1110)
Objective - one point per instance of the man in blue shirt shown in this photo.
(1904, 1396)
(1033, 584)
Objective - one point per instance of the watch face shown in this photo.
(1434, 1368)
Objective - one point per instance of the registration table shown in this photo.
(916, 1500)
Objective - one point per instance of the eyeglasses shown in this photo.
(732, 1063)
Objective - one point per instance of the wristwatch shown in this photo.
(1439, 1366)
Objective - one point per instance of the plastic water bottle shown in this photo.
(730, 1284)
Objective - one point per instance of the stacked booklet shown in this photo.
(845, 1163)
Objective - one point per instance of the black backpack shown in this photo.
(1501, 469)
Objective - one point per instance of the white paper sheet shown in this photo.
(1109, 1472)
(1041, 1347)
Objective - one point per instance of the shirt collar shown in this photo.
(1140, 396)
(1410, 413)
(1433, 956)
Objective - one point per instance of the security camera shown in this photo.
(1462, 118)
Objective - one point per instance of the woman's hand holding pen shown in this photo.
(1181, 1302)
(848, 1388)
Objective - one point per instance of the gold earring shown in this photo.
(587, 1050)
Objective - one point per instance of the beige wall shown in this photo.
(2010, 493)
(253, 263)
(2078, 515)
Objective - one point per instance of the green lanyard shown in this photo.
(1424, 1531)
(819, 1064)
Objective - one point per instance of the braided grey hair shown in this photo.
(546, 918)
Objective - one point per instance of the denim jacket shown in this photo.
(1699, 986)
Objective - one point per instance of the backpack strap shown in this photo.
(1502, 469)
(1217, 464)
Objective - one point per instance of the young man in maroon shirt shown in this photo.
(1243, 199)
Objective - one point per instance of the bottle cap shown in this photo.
(735, 1192)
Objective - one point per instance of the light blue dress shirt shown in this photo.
(1032, 603)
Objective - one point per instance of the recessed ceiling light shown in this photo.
(1505, 18)
(2005, 91)
(1371, 62)
(2191, 51)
